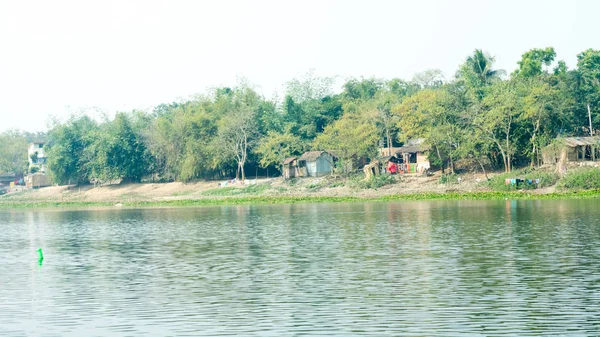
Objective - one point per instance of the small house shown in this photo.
(413, 157)
(572, 149)
(291, 169)
(36, 156)
(37, 180)
(316, 163)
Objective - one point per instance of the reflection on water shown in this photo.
(512, 268)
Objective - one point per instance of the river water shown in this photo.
(449, 268)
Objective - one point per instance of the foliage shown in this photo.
(583, 179)
(276, 147)
(231, 190)
(66, 150)
(350, 138)
(479, 114)
(13, 152)
(532, 61)
(546, 179)
(374, 182)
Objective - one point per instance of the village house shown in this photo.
(572, 149)
(36, 156)
(291, 169)
(410, 158)
(310, 164)
(37, 180)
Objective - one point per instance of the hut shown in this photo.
(572, 149)
(291, 169)
(316, 163)
(413, 157)
(37, 180)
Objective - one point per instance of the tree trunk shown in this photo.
(508, 161)
(437, 150)
(389, 142)
(482, 169)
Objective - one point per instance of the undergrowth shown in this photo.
(583, 179)
(231, 190)
(546, 179)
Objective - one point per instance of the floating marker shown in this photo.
(40, 255)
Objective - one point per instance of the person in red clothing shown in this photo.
(392, 167)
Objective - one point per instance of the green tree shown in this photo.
(117, 152)
(66, 150)
(588, 70)
(532, 61)
(478, 73)
(351, 137)
(276, 147)
(13, 152)
(497, 120)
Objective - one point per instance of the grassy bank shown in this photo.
(511, 195)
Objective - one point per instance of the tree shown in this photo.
(363, 89)
(496, 121)
(13, 152)
(238, 129)
(276, 147)
(532, 61)
(429, 79)
(117, 152)
(351, 137)
(424, 115)
(477, 72)
(588, 69)
(540, 107)
(67, 148)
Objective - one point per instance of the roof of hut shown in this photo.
(312, 155)
(288, 160)
(580, 141)
(413, 148)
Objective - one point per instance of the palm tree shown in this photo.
(477, 71)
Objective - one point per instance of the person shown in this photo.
(392, 168)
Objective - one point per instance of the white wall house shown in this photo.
(40, 162)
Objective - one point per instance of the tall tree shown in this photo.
(276, 147)
(588, 69)
(477, 72)
(13, 152)
(497, 120)
(532, 61)
(67, 150)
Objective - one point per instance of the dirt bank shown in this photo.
(306, 187)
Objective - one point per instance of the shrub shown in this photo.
(546, 179)
(374, 182)
(584, 179)
(449, 179)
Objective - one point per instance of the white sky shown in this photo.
(61, 56)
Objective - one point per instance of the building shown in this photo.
(315, 163)
(572, 149)
(37, 156)
(413, 157)
(291, 169)
(37, 180)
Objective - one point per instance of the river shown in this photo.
(445, 268)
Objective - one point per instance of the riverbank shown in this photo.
(275, 190)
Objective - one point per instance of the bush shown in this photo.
(449, 179)
(232, 190)
(497, 183)
(584, 179)
(374, 182)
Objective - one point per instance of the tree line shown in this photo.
(482, 115)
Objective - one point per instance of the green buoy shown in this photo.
(40, 256)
